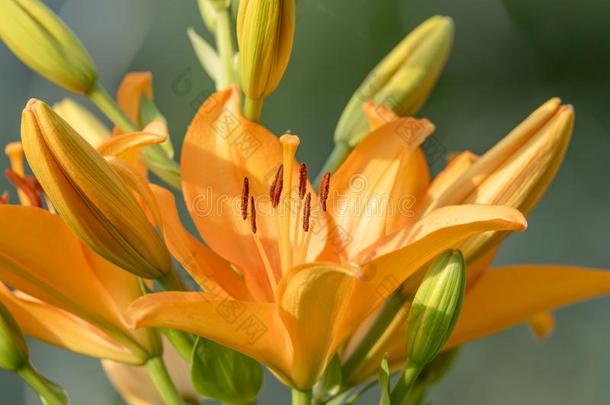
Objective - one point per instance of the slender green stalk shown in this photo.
(407, 379)
(224, 43)
(385, 317)
(100, 97)
(336, 157)
(49, 393)
(301, 397)
(253, 108)
(163, 382)
(181, 341)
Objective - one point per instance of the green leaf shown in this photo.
(224, 374)
(330, 382)
(384, 381)
(207, 56)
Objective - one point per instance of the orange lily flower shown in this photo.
(515, 172)
(289, 274)
(64, 294)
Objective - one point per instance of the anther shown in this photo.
(324, 187)
(307, 212)
(302, 180)
(276, 188)
(252, 215)
(245, 194)
(4, 198)
(22, 183)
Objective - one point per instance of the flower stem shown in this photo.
(253, 108)
(100, 97)
(406, 381)
(224, 43)
(337, 156)
(49, 392)
(385, 317)
(162, 381)
(301, 397)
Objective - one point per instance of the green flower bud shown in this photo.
(13, 349)
(224, 374)
(402, 81)
(265, 33)
(435, 308)
(44, 43)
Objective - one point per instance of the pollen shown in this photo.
(324, 188)
(252, 215)
(275, 192)
(307, 212)
(245, 194)
(302, 180)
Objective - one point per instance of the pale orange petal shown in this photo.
(374, 190)
(134, 86)
(506, 296)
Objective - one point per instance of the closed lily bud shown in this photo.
(265, 32)
(83, 121)
(435, 308)
(90, 197)
(44, 43)
(402, 81)
(13, 349)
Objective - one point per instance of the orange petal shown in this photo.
(506, 296)
(220, 149)
(438, 231)
(124, 143)
(311, 299)
(250, 328)
(374, 190)
(55, 326)
(134, 86)
(210, 271)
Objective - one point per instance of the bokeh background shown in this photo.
(509, 57)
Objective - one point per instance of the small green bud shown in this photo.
(224, 374)
(436, 308)
(44, 43)
(13, 349)
(402, 80)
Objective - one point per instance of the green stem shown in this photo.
(224, 43)
(49, 392)
(171, 281)
(406, 381)
(300, 397)
(162, 381)
(253, 108)
(181, 341)
(100, 97)
(337, 156)
(385, 317)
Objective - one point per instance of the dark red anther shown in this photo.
(252, 215)
(276, 187)
(302, 180)
(307, 212)
(245, 194)
(324, 188)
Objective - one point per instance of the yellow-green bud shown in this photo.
(402, 80)
(265, 32)
(13, 349)
(43, 42)
(90, 197)
(435, 308)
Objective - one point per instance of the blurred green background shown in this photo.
(509, 57)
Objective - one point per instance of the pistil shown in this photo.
(289, 148)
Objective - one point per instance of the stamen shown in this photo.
(302, 180)
(26, 186)
(14, 152)
(324, 187)
(261, 249)
(245, 193)
(307, 212)
(276, 187)
(4, 198)
(252, 215)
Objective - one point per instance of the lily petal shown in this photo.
(378, 181)
(254, 329)
(55, 326)
(134, 86)
(506, 296)
(311, 299)
(210, 271)
(438, 231)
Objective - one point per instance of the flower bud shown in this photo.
(224, 374)
(83, 121)
(402, 80)
(13, 349)
(90, 197)
(435, 308)
(265, 32)
(44, 43)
